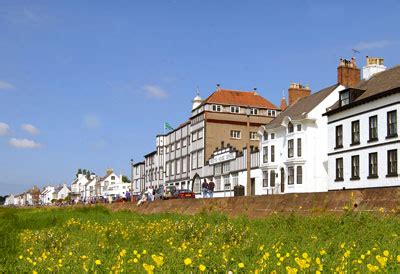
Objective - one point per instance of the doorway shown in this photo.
(282, 180)
(253, 186)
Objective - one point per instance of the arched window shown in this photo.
(290, 127)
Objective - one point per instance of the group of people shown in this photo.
(148, 195)
(208, 189)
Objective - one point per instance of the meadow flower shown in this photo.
(187, 261)
(98, 262)
(386, 253)
(241, 265)
(372, 268)
(202, 267)
(159, 260)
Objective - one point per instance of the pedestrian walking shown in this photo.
(211, 187)
(205, 187)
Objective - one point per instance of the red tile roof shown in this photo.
(239, 98)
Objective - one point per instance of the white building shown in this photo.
(9, 200)
(363, 131)
(294, 145)
(112, 185)
(138, 177)
(61, 192)
(78, 187)
(47, 195)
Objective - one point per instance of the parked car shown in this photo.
(185, 194)
(170, 192)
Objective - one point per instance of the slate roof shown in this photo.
(239, 98)
(302, 107)
(378, 85)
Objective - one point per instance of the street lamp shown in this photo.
(132, 175)
(248, 160)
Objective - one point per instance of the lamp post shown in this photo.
(132, 175)
(248, 160)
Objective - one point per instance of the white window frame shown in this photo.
(217, 108)
(235, 109)
(235, 134)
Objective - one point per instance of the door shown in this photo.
(253, 186)
(282, 180)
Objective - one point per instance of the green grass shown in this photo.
(72, 239)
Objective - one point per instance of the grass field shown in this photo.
(94, 239)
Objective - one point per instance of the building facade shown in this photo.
(294, 145)
(364, 145)
(138, 174)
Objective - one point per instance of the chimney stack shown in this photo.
(348, 72)
(283, 104)
(297, 91)
(373, 65)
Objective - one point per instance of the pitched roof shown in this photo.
(302, 107)
(377, 85)
(238, 98)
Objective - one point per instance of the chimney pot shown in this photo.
(297, 91)
(348, 73)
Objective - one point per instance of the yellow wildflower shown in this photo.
(241, 265)
(159, 260)
(291, 270)
(202, 267)
(398, 258)
(98, 262)
(149, 268)
(386, 253)
(305, 255)
(372, 268)
(187, 261)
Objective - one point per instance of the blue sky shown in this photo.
(89, 83)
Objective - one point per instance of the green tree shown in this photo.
(125, 179)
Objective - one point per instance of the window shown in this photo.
(235, 179)
(265, 178)
(373, 165)
(273, 113)
(200, 158)
(217, 169)
(172, 167)
(265, 154)
(227, 182)
(272, 178)
(235, 109)
(290, 127)
(272, 135)
(217, 183)
(253, 135)
(298, 127)
(194, 136)
(344, 98)
(235, 134)
(392, 162)
(217, 108)
(184, 142)
(167, 150)
(178, 166)
(355, 167)
(290, 175)
(392, 123)
(194, 160)
(373, 128)
(339, 136)
(112, 177)
(290, 148)
(200, 134)
(355, 132)
(269, 112)
(184, 164)
(178, 145)
(226, 167)
(161, 173)
(253, 111)
(265, 136)
(172, 147)
(272, 154)
(298, 147)
(299, 175)
(339, 169)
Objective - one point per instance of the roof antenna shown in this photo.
(355, 51)
(198, 91)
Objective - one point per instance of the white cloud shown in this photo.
(30, 129)
(373, 45)
(6, 85)
(91, 121)
(24, 143)
(4, 129)
(153, 91)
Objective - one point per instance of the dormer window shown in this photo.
(253, 111)
(344, 98)
(290, 127)
(217, 108)
(235, 109)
